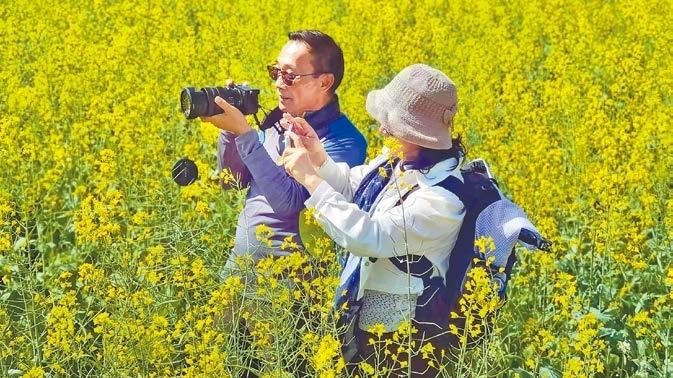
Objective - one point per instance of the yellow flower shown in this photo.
(289, 244)
(327, 359)
(484, 244)
(64, 280)
(377, 329)
(227, 177)
(5, 243)
(264, 234)
(574, 369)
(669, 277)
(427, 350)
(34, 372)
(394, 146)
(642, 323)
(569, 104)
(366, 368)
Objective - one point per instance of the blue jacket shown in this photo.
(274, 199)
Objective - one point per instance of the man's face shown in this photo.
(306, 92)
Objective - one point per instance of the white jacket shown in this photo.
(427, 223)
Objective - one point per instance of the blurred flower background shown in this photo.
(109, 269)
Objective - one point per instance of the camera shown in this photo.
(201, 103)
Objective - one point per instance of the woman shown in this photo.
(387, 209)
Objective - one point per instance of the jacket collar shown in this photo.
(318, 119)
(435, 175)
(321, 118)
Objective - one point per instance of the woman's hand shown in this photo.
(298, 165)
(308, 138)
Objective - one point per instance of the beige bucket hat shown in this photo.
(417, 106)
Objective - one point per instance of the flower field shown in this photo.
(110, 269)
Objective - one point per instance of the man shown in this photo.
(307, 73)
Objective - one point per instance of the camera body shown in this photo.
(201, 103)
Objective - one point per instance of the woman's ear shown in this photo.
(326, 81)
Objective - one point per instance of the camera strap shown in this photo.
(272, 120)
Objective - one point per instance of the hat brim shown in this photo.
(400, 124)
(375, 105)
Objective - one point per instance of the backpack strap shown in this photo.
(455, 186)
(451, 183)
(419, 265)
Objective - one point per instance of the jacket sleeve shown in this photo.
(229, 158)
(427, 219)
(284, 194)
(342, 178)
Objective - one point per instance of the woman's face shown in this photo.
(407, 149)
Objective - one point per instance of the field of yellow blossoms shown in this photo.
(109, 269)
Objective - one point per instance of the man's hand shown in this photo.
(231, 120)
(308, 138)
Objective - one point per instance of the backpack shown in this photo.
(488, 213)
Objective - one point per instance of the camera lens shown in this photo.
(201, 103)
(193, 103)
(211, 92)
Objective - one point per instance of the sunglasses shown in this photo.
(289, 78)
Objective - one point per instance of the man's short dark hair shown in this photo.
(327, 55)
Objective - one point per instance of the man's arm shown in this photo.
(229, 158)
(284, 193)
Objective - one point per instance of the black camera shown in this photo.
(201, 103)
